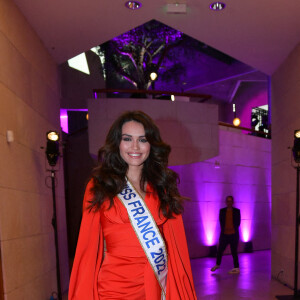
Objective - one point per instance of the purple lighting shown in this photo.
(209, 216)
(64, 118)
(165, 33)
(244, 172)
(245, 228)
(209, 210)
(210, 233)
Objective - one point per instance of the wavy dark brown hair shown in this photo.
(109, 176)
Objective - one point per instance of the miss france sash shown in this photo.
(147, 232)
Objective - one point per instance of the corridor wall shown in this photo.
(29, 101)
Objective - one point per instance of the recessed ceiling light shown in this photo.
(133, 5)
(217, 6)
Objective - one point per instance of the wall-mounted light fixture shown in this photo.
(236, 121)
(10, 136)
(217, 164)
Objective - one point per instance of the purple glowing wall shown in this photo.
(243, 170)
(64, 119)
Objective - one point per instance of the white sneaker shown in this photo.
(234, 271)
(215, 268)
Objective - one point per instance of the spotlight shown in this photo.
(153, 76)
(52, 150)
(296, 148)
(297, 134)
(153, 72)
(52, 136)
(236, 122)
(212, 251)
(248, 248)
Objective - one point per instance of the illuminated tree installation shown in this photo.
(132, 55)
(180, 60)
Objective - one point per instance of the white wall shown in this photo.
(190, 128)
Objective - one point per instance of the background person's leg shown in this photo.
(234, 241)
(223, 242)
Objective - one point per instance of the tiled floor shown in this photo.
(253, 283)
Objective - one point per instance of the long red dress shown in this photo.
(124, 272)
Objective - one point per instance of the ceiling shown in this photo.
(258, 33)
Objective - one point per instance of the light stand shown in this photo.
(296, 153)
(52, 154)
(54, 224)
(296, 292)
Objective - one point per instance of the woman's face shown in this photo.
(134, 147)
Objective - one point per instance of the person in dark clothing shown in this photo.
(230, 220)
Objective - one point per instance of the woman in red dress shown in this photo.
(134, 161)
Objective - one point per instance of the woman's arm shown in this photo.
(89, 253)
(180, 284)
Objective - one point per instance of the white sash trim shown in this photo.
(147, 232)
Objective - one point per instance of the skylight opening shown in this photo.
(79, 63)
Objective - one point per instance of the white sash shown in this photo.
(147, 232)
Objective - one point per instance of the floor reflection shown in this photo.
(254, 281)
